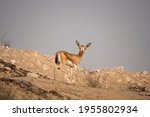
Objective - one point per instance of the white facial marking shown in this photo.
(82, 49)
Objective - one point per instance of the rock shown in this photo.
(128, 79)
(45, 67)
(1, 65)
(32, 75)
(121, 68)
(120, 80)
(145, 72)
(13, 61)
(139, 84)
(8, 68)
(51, 58)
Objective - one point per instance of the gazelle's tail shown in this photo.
(57, 59)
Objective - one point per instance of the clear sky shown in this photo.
(119, 30)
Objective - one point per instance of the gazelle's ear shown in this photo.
(78, 43)
(88, 45)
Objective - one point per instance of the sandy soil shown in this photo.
(29, 74)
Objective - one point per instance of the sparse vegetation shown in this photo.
(7, 44)
(93, 82)
(3, 42)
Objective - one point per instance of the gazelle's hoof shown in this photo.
(58, 68)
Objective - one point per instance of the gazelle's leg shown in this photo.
(74, 66)
(71, 71)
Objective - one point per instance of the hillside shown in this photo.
(29, 74)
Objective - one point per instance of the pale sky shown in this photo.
(119, 30)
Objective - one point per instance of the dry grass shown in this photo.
(93, 82)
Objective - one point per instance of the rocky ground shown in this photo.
(29, 74)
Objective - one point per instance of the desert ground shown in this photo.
(30, 75)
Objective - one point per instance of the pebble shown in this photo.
(32, 75)
(13, 61)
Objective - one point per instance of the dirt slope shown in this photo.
(28, 74)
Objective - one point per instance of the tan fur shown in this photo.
(64, 57)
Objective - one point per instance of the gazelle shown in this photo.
(66, 58)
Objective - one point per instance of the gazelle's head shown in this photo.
(82, 48)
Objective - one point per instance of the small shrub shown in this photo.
(93, 82)
(7, 44)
